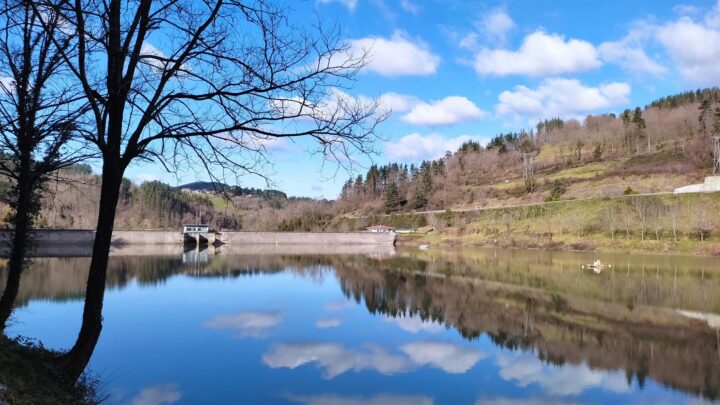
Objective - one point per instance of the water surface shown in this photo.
(368, 325)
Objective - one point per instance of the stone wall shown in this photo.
(65, 237)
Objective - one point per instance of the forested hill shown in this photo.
(213, 187)
(660, 147)
(665, 145)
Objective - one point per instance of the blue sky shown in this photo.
(458, 70)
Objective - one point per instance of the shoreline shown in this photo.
(710, 250)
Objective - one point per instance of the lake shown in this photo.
(313, 325)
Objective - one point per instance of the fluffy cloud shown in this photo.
(561, 98)
(450, 358)
(397, 102)
(158, 395)
(448, 111)
(245, 324)
(382, 399)
(325, 323)
(145, 177)
(396, 56)
(694, 47)
(414, 324)
(496, 25)
(540, 54)
(350, 4)
(336, 359)
(629, 54)
(416, 147)
(526, 369)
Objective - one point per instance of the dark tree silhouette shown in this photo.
(39, 115)
(205, 83)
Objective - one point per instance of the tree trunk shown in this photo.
(75, 361)
(20, 241)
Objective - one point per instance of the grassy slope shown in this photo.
(585, 225)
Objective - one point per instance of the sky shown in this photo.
(453, 71)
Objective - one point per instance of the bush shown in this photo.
(557, 190)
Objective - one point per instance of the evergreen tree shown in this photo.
(422, 194)
(392, 198)
(639, 123)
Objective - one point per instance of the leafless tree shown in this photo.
(674, 210)
(641, 210)
(610, 218)
(206, 83)
(39, 113)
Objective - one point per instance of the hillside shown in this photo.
(220, 188)
(654, 149)
(666, 145)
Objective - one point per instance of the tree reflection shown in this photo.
(519, 307)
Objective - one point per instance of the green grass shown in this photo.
(583, 225)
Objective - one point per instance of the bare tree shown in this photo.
(611, 220)
(641, 210)
(38, 121)
(674, 210)
(203, 83)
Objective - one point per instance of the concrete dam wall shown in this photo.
(55, 237)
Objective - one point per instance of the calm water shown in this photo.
(386, 326)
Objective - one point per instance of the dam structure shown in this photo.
(60, 237)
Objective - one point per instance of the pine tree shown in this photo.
(392, 198)
(702, 118)
(422, 194)
(639, 123)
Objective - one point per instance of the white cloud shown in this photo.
(332, 322)
(158, 395)
(561, 98)
(450, 358)
(629, 54)
(7, 85)
(496, 25)
(416, 147)
(338, 305)
(246, 324)
(410, 6)
(448, 111)
(526, 369)
(540, 54)
(694, 47)
(350, 4)
(382, 399)
(414, 324)
(335, 359)
(397, 102)
(686, 9)
(145, 177)
(396, 56)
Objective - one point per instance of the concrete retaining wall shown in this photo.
(304, 238)
(56, 237)
(711, 185)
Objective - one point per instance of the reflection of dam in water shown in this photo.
(539, 303)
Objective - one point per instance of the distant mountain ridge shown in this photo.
(213, 187)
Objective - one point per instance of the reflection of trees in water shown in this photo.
(519, 305)
(653, 342)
